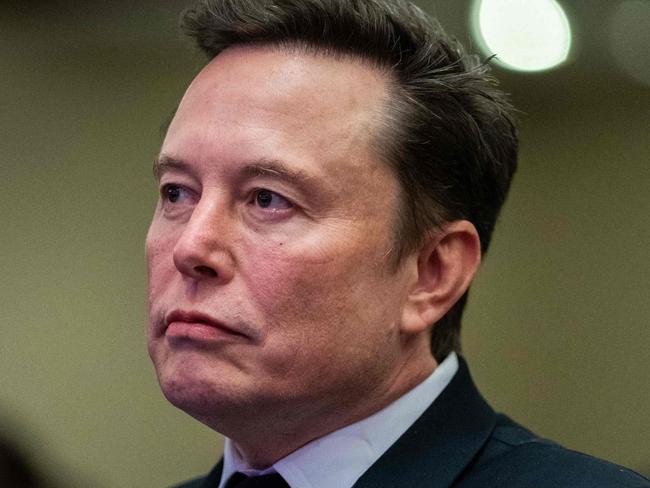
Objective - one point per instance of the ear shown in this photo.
(446, 265)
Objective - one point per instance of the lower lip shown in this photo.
(197, 332)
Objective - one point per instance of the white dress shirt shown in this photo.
(338, 459)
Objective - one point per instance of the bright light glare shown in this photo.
(526, 35)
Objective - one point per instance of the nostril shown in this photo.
(206, 271)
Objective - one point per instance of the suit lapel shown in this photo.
(440, 444)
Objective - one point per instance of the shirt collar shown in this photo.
(338, 459)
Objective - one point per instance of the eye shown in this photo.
(270, 200)
(171, 193)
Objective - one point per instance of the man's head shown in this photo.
(319, 211)
(446, 130)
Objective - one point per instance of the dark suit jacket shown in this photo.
(461, 442)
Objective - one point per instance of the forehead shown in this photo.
(291, 77)
(316, 99)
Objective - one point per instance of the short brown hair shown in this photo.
(450, 135)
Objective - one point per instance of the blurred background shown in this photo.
(557, 331)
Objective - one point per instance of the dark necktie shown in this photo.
(239, 480)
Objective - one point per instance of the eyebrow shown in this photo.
(164, 164)
(272, 168)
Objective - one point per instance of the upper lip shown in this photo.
(203, 318)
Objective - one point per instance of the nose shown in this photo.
(202, 251)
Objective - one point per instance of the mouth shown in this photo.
(193, 326)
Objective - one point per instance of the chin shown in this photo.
(198, 391)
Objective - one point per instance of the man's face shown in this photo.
(269, 283)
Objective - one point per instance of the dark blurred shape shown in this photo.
(15, 469)
(34, 8)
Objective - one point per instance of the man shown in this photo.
(328, 185)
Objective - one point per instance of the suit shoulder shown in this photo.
(516, 457)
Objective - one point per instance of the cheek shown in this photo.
(313, 291)
(283, 277)
(326, 324)
(160, 263)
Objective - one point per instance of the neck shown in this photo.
(265, 439)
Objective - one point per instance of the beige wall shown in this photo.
(556, 333)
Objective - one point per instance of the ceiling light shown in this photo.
(525, 35)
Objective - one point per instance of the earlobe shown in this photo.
(446, 265)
